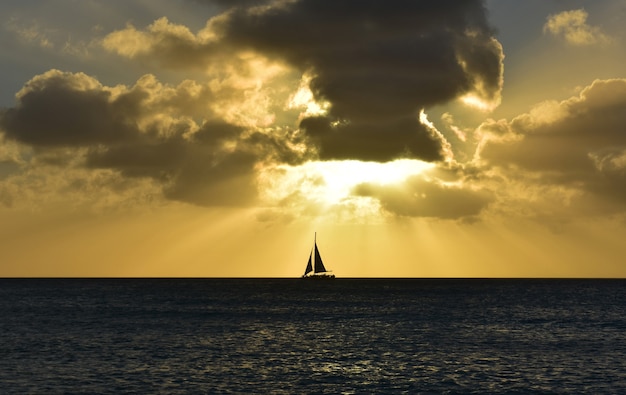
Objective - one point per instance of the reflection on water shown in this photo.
(289, 336)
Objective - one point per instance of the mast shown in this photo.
(313, 251)
(318, 263)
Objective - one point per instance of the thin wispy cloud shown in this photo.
(573, 28)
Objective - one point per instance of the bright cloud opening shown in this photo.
(331, 183)
(474, 101)
(303, 99)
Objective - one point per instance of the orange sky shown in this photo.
(214, 138)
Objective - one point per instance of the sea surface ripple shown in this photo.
(289, 336)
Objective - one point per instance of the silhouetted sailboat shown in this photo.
(315, 269)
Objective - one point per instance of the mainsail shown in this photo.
(319, 265)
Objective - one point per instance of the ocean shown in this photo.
(289, 336)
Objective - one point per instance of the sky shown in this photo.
(214, 138)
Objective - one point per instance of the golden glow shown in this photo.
(474, 101)
(252, 106)
(76, 203)
(331, 183)
(445, 145)
(191, 241)
(303, 99)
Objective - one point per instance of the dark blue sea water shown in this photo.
(188, 336)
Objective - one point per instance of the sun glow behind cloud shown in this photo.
(331, 183)
(472, 100)
(303, 99)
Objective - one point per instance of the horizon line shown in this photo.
(290, 278)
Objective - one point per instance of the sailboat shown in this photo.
(315, 269)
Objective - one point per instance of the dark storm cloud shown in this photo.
(394, 138)
(373, 55)
(55, 110)
(378, 63)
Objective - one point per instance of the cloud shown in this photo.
(448, 121)
(64, 109)
(48, 38)
(422, 196)
(374, 66)
(10, 152)
(578, 143)
(149, 130)
(377, 64)
(228, 4)
(573, 28)
(374, 141)
(172, 45)
(33, 33)
(38, 185)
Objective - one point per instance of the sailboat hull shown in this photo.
(319, 277)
